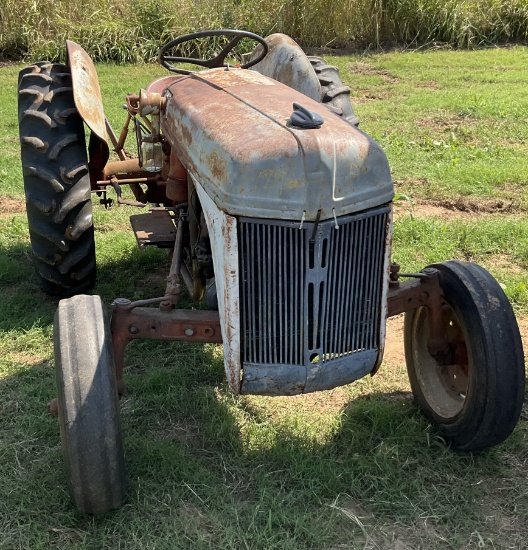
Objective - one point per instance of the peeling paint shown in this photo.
(223, 235)
(242, 140)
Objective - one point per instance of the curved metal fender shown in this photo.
(287, 63)
(86, 91)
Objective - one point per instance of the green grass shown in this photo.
(355, 467)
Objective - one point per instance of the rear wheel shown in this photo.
(56, 180)
(89, 405)
(474, 397)
(334, 94)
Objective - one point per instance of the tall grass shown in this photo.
(124, 32)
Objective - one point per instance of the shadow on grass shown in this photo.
(140, 275)
(206, 466)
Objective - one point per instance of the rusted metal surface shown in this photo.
(173, 289)
(224, 245)
(150, 103)
(183, 325)
(128, 168)
(231, 130)
(155, 228)
(161, 84)
(176, 187)
(86, 91)
(425, 291)
(287, 63)
(408, 295)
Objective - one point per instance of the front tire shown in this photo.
(89, 405)
(56, 180)
(474, 401)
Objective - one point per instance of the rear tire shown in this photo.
(89, 405)
(56, 180)
(475, 401)
(334, 94)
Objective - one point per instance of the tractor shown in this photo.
(277, 212)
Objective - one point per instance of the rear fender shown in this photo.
(89, 104)
(287, 63)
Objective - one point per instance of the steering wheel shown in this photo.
(169, 61)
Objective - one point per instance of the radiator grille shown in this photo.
(312, 294)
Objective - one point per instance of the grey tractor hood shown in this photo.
(233, 132)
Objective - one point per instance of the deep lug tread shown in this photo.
(62, 116)
(35, 142)
(44, 175)
(71, 260)
(64, 90)
(72, 199)
(56, 180)
(44, 117)
(59, 146)
(334, 95)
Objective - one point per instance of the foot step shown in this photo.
(155, 228)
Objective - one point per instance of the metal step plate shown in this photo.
(155, 228)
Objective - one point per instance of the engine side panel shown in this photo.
(231, 130)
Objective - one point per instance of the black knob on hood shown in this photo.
(303, 118)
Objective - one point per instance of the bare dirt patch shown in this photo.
(459, 208)
(449, 122)
(367, 97)
(430, 85)
(10, 206)
(394, 353)
(364, 69)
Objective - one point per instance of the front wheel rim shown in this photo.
(444, 387)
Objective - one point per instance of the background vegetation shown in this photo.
(124, 31)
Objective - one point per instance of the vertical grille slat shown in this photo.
(332, 287)
(347, 276)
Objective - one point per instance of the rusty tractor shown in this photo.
(278, 213)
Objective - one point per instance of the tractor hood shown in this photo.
(232, 131)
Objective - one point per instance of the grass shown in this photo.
(355, 467)
(36, 29)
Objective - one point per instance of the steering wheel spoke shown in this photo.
(170, 62)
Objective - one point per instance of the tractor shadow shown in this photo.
(186, 433)
(188, 441)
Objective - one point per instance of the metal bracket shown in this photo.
(424, 290)
(131, 323)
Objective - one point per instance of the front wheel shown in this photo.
(88, 405)
(474, 401)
